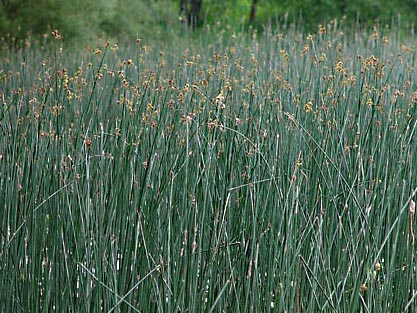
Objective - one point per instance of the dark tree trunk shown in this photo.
(190, 10)
(343, 5)
(253, 12)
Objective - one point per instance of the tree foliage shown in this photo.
(310, 13)
(87, 19)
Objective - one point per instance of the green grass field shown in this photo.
(227, 173)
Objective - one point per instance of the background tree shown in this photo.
(190, 10)
(86, 20)
(253, 11)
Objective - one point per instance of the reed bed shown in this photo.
(268, 172)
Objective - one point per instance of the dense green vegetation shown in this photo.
(228, 173)
(83, 21)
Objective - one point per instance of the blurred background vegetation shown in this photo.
(86, 20)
